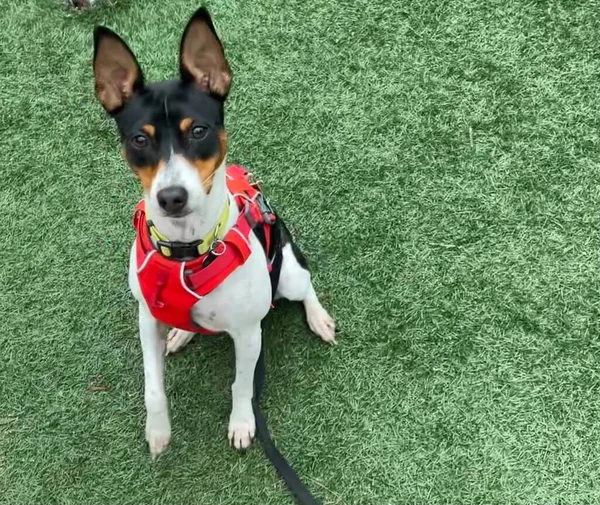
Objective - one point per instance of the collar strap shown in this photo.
(189, 250)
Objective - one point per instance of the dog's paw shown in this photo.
(241, 430)
(177, 339)
(320, 322)
(158, 434)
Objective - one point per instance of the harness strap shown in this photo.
(235, 245)
(161, 280)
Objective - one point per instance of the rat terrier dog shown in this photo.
(210, 254)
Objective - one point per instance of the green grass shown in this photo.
(439, 164)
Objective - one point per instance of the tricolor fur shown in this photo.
(174, 139)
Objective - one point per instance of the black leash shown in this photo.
(281, 465)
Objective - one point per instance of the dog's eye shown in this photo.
(199, 132)
(139, 141)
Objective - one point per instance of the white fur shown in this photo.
(237, 306)
(204, 209)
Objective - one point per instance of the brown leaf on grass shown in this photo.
(96, 385)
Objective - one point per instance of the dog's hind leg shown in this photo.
(177, 339)
(295, 284)
(319, 321)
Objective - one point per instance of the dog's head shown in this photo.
(172, 132)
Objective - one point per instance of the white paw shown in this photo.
(176, 339)
(320, 322)
(158, 434)
(241, 430)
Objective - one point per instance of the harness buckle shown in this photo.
(165, 248)
(253, 180)
(267, 214)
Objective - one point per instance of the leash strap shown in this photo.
(281, 465)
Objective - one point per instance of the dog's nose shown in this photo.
(172, 199)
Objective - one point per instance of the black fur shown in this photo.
(286, 238)
(164, 105)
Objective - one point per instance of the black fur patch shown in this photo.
(164, 105)
(286, 238)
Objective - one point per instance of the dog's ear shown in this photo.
(116, 70)
(201, 56)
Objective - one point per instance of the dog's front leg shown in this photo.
(242, 427)
(158, 426)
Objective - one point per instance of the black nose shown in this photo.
(172, 199)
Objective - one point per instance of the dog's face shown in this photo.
(172, 132)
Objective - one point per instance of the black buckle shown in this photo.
(266, 213)
(265, 209)
(179, 250)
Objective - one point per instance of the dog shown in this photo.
(173, 139)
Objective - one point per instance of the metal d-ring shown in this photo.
(214, 247)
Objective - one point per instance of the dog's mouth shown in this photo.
(177, 215)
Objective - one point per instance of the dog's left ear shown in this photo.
(201, 56)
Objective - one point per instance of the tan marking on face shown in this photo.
(222, 146)
(185, 124)
(207, 168)
(147, 174)
(149, 129)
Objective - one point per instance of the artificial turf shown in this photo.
(438, 163)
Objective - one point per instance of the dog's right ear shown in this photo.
(116, 70)
(201, 56)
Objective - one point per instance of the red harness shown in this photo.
(171, 288)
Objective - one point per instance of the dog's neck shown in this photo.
(199, 223)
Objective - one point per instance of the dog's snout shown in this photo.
(172, 199)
